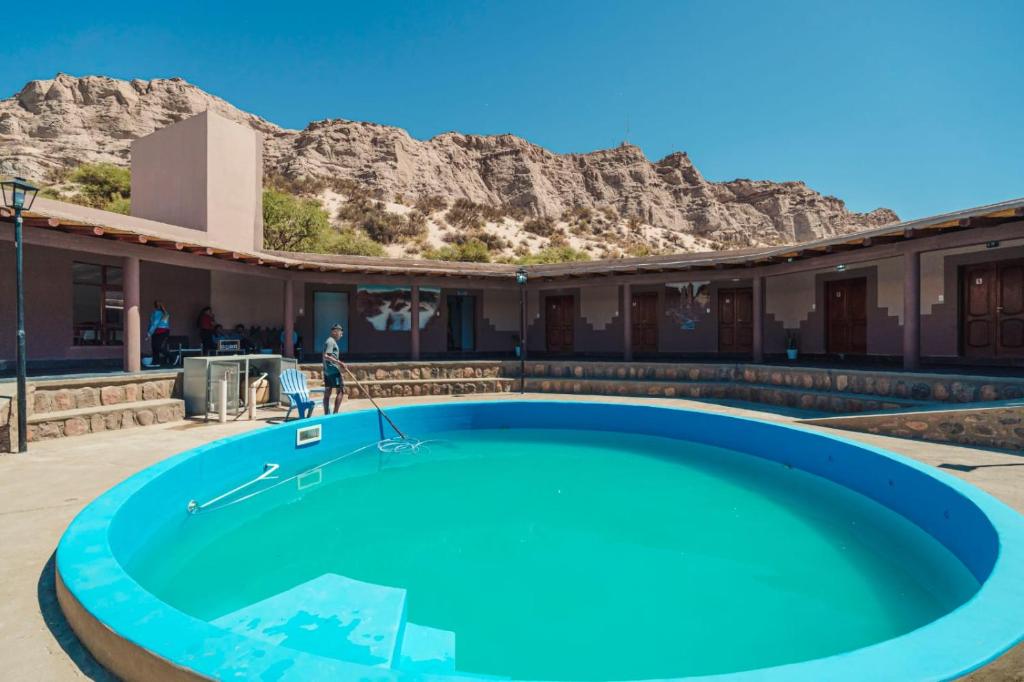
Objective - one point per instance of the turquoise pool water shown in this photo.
(580, 555)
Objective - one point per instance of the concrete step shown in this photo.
(79, 421)
(331, 616)
(805, 399)
(427, 650)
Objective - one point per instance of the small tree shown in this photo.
(292, 224)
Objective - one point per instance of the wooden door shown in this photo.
(644, 318)
(735, 320)
(560, 312)
(993, 309)
(846, 303)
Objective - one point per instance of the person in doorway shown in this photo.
(206, 322)
(159, 331)
(333, 367)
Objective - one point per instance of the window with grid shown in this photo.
(98, 305)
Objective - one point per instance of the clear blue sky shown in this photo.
(917, 106)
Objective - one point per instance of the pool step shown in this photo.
(330, 616)
(427, 650)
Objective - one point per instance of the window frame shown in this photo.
(106, 333)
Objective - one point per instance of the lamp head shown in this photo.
(18, 194)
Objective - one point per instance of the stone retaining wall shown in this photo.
(899, 385)
(160, 412)
(999, 427)
(43, 399)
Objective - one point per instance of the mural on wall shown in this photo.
(686, 302)
(389, 308)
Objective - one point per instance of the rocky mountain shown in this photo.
(666, 205)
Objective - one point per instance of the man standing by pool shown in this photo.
(332, 370)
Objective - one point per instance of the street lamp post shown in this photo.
(19, 195)
(521, 278)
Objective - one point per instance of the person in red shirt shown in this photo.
(206, 323)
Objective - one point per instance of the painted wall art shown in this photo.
(389, 308)
(687, 302)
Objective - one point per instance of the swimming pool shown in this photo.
(546, 540)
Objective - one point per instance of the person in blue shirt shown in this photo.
(159, 331)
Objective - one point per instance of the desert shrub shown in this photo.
(555, 254)
(121, 205)
(417, 222)
(465, 215)
(293, 224)
(429, 204)
(470, 251)
(544, 226)
(493, 241)
(639, 249)
(387, 228)
(352, 242)
(101, 185)
(301, 186)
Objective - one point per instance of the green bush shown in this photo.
(119, 205)
(101, 185)
(470, 251)
(557, 254)
(352, 242)
(293, 224)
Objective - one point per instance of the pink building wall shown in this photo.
(204, 173)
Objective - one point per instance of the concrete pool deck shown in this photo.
(41, 492)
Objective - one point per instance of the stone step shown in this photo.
(408, 370)
(331, 616)
(805, 399)
(79, 421)
(883, 384)
(426, 650)
(414, 387)
(45, 399)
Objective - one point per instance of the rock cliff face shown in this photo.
(54, 124)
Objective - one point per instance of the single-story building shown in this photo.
(945, 289)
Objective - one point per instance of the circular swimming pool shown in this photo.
(544, 540)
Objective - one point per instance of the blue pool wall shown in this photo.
(108, 533)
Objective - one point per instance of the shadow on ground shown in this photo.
(973, 467)
(46, 593)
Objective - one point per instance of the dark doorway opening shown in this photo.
(461, 323)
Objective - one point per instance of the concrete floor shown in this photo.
(42, 491)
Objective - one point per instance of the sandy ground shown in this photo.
(41, 492)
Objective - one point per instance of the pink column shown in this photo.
(758, 320)
(132, 324)
(627, 322)
(289, 318)
(911, 310)
(414, 330)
